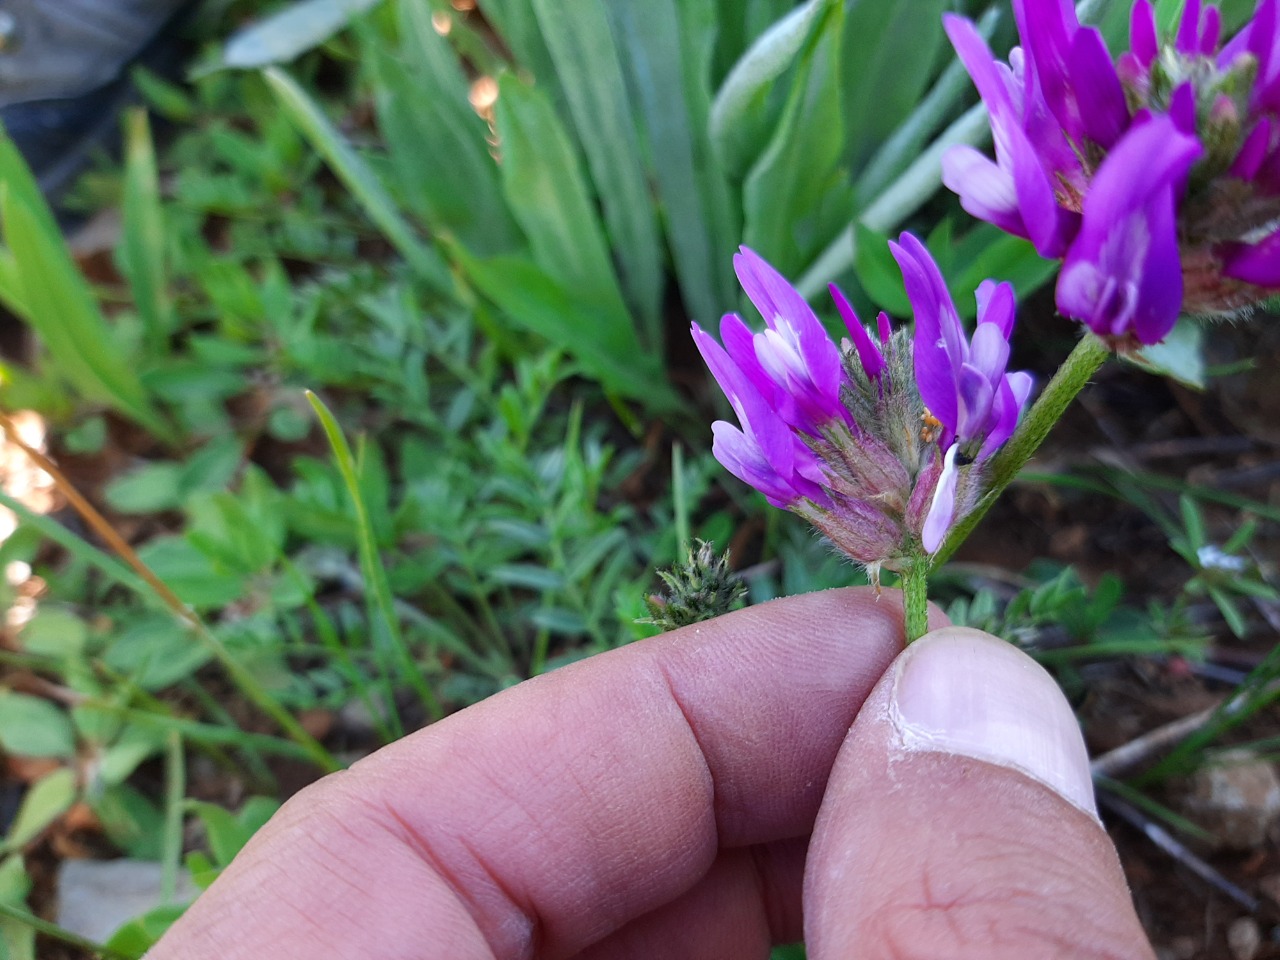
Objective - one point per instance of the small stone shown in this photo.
(97, 897)
(1244, 937)
(1236, 800)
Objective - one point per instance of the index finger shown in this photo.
(545, 818)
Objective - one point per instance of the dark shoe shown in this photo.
(64, 74)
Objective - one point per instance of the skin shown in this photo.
(660, 801)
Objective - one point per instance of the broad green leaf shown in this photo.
(539, 304)
(986, 252)
(797, 196)
(359, 178)
(577, 34)
(878, 272)
(517, 24)
(435, 139)
(737, 114)
(48, 798)
(60, 307)
(148, 489)
(155, 651)
(131, 821)
(34, 727)
(139, 935)
(888, 56)
(1179, 356)
(548, 195)
(668, 46)
(54, 632)
(142, 254)
(291, 32)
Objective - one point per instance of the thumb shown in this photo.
(959, 821)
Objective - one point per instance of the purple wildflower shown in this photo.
(1162, 167)
(963, 382)
(835, 434)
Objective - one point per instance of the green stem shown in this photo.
(1070, 379)
(43, 927)
(915, 600)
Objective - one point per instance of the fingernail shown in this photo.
(965, 692)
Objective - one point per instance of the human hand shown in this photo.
(660, 801)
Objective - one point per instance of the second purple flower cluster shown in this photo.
(1155, 177)
(880, 443)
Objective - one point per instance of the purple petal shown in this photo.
(986, 191)
(943, 508)
(1100, 97)
(1210, 30)
(996, 305)
(1047, 32)
(772, 295)
(1188, 39)
(884, 328)
(868, 353)
(1256, 263)
(739, 344)
(989, 351)
(936, 324)
(1182, 108)
(1253, 151)
(976, 394)
(1006, 410)
(1144, 42)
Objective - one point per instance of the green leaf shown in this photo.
(1179, 356)
(359, 178)
(539, 304)
(888, 58)
(545, 188)
(798, 196)
(668, 45)
(435, 140)
(878, 272)
(57, 303)
(738, 112)
(577, 34)
(142, 933)
(34, 727)
(517, 23)
(48, 798)
(227, 833)
(987, 252)
(142, 254)
(131, 821)
(148, 489)
(17, 939)
(54, 632)
(156, 651)
(291, 32)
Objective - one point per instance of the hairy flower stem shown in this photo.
(1070, 379)
(915, 600)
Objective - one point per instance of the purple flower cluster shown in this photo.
(1155, 177)
(880, 443)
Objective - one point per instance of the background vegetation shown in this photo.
(477, 235)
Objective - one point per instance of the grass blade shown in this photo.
(668, 58)
(382, 606)
(57, 303)
(142, 254)
(586, 59)
(359, 178)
